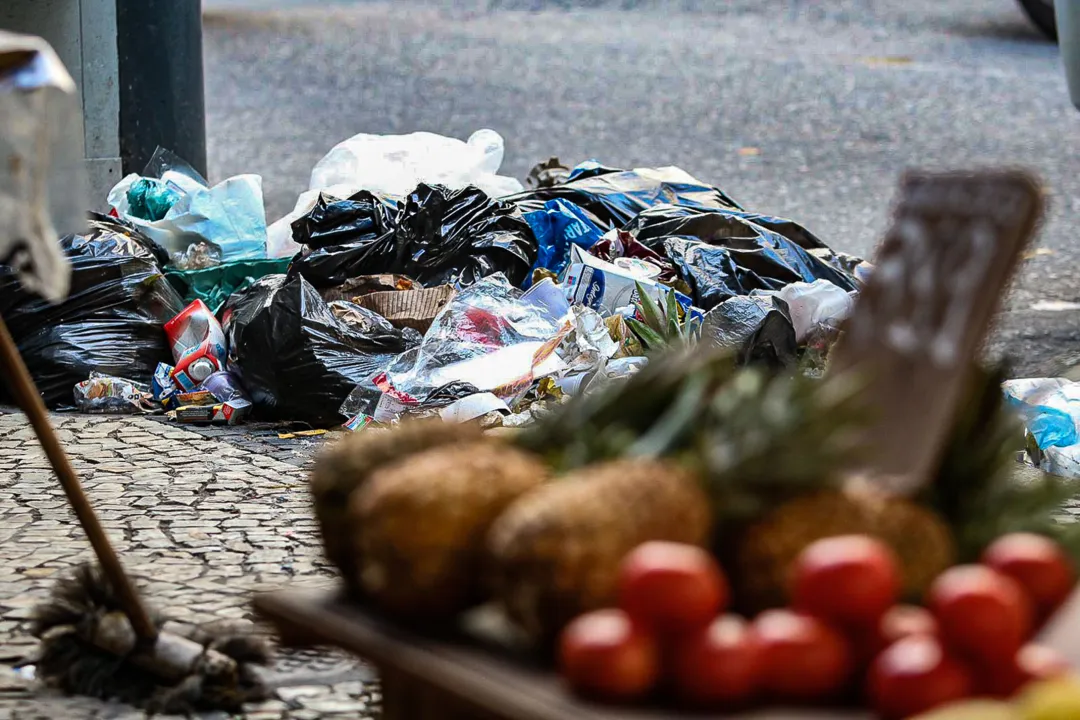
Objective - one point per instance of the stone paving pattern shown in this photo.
(202, 519)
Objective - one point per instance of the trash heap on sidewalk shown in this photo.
(412, 279)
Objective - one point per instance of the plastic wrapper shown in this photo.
(110, 323)
(395, 164)
(721, 254)
(756, 329)
(1050, 408)
(295, 358)
(442, 237)
(557, 226)
(225, 386)
(107, 394)
(228, 219)
(42, 176)
(485, 340)
(611, 198)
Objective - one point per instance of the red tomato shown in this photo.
(981, 614)
(898, 622)
(604, 654)
(914, 675)
(719, 666)
(1033, 662)
(1038, 564)
(672, 587)
(803, 659)
(849, 580)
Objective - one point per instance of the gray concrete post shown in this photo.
(138, 67)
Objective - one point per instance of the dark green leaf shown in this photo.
(649, 309)
(649, 337)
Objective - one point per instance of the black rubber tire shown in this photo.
(1041, 13)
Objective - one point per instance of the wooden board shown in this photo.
(451, 678)
(920, 322)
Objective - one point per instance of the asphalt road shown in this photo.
(805, 109)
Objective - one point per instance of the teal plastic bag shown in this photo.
(214, 285)
(151, 199)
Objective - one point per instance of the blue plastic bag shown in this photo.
(1050, 408)
(557, 226)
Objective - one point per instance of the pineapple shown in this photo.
(763, 556)
(346, 465)
(662, 327)
(420, 524)
(555, 551)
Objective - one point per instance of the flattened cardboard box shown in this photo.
(408, 308)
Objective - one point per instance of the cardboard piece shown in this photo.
(926, 309)
(408, 308)
(366, 284)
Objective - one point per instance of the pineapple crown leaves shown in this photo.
(979, 487)
(769, 437)
(662, 326)
(628, 413)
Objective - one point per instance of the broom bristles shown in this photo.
(68, 660)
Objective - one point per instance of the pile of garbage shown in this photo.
(411, 279)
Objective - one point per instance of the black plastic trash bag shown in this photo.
(295, 358)
(722, 254)
(612, 197)
(439, 236)
(344, 239)
(110, 323)
(363, 216)
(456, 237)
(757, 329)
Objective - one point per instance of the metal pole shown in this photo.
(159, 43)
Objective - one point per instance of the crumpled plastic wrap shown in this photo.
(295, 357)
(484, 340)
(106, 394)
(111, 321)
(42, 176)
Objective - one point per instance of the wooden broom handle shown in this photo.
(29, 399)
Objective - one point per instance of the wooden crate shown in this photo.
(453, 677)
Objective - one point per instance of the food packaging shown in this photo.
(606, 287)
(198, 345)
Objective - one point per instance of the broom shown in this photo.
(97, 636)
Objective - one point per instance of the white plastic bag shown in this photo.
(814, 304)
(395, 164)
(230, 216)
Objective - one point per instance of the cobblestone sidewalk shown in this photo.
(203, 522)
